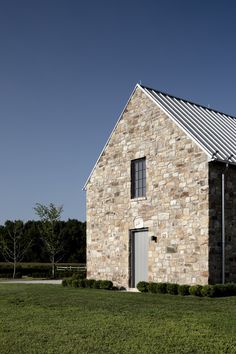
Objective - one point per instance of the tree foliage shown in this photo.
(50, 213)
(72, 235)
(50, 231)
(13, 243)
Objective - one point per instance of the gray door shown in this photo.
(139, 266)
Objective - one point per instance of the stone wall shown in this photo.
(175, 208)
(215, 222)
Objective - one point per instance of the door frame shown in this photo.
(132, 255)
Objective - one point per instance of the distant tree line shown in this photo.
(26, 242)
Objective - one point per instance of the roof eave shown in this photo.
(226, 162)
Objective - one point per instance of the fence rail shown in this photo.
(68, 268)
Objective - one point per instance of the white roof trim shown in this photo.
(113, 130)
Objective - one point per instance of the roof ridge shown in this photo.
(188, 101)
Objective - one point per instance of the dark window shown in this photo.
(138, 178)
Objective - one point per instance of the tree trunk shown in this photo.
(53, 266)
(14, 255)
(14, 270)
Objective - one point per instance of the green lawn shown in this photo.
(53, 319)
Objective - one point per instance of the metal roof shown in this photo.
(214, 131)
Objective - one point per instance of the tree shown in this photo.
(37, 251)
(74, 236)
(13, 244)
(50, 216)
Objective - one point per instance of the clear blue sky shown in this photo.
(68, 67)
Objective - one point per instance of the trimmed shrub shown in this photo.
(155, 288)
(231, 289)
(96, 284)
(89, 283)
(142, 286)
(225, 289)
(78, 283)
(69, 281)
(195, 290)
(220, 290)
(64, 282)
(75, 283)
(152, 287)
(183, 290)
(172, 288)
(106, 284)
(161, 288)
(81, 283)
(208, 290)
(121, 288)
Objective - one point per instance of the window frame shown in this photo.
(138, 178)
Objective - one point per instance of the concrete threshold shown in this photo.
(133, 290)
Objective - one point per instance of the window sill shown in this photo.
(138, 199)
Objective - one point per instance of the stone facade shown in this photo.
(175, 209)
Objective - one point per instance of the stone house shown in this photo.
(161, 199)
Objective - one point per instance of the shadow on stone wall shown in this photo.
(215, 222)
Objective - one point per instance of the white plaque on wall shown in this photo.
(138, 223)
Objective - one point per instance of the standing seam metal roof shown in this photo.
(214, 131)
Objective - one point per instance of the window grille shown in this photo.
(138, 178)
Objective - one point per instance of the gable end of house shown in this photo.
(211, 130)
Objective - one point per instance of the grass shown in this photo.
(53, 319)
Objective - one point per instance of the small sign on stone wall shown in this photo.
(138, 223)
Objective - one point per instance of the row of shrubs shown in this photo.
(76, 282)
(34, 271)
(218, 290)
